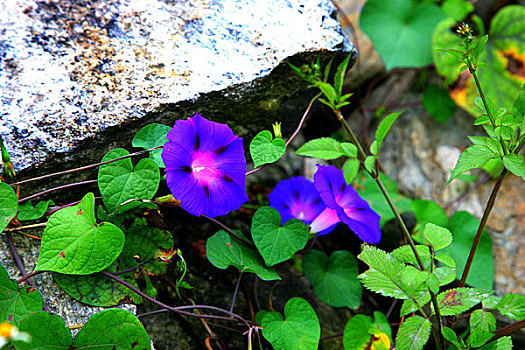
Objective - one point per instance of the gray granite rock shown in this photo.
(86, 75)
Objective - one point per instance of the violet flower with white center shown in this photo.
(297, 198)
(350, 207)
(205, 167)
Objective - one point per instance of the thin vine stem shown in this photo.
(305, 114)
(483, 222)
(88, 182)
(511, 328)
(375, 175)
(180, 309)
(84, 167)
(225, 228)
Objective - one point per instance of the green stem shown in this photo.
(484, 218)
(472, 70)
(437, 333)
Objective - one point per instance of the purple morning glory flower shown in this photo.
(351, 209)
(205, 167)
(297, 198)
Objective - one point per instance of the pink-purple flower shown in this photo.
(205, 167)
(324, 203)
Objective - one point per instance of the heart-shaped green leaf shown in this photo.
(47, 331)
(275, 243)
(8, 205)
(335, 280)
(265, 149)
(97, 289)
(152, 135)
(114, 329)
(26, 211)
(119, 182)
(401, 30)
(16, 303)
(224, 250)
(299, 330)
(73, 243)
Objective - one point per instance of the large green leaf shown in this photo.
(97, 289)
(327, 148)
(16, 303)
(264, 149)
(413, 333)
(437, 236)
(224, 250)
(152, 135)
(334, 280)
(47, 331)
(475, 156)
(355, 334)
(113, 329)
(73, 243)
(275, 243)
(119, 182)
(300, 330)
(401, 30)
(8, 205)
(438, 104)
(502, 77)
(464, 227)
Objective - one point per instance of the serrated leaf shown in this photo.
(355, 334)
(264, 149)
(401, 30)
(322, 148)
(445, 275)
(350, 169)
(504, 343)
(519, 108)
(451, 336)
(482, 320)
(438, 104)
(446, 259)
(512, 306)
(299, 329)
(334, 280)
(73, 243)
(437, 236)
(27, 211)
(340, 76)
(515, 164)
(384, 275)
(413, 280)
(275, 243)
(409, 306)
(8, 205)
(455, 301)
(486, 141)
(119, 181)
(150, 136)
(405, 254)
(413, 333)
(47, 331)
(113, 329)
(349, 149)
(473, 157)
(16, 303)
(384, 128)
(491, 302)
(223, 250)
(464, 226)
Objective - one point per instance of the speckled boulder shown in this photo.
(80, 77)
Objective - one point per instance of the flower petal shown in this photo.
(351, 208)
(205, 167)
(325, 222)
